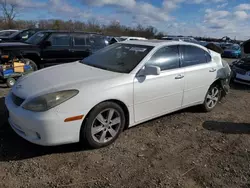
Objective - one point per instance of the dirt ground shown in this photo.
(187, 149)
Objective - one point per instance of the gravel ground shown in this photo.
(186, 149)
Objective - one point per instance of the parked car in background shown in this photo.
(21, 35)
(185, 39)
(233, 51)
(47, 48)
(241, 71)
(171, 39)
(124, 38)
(245, 49)
(6, 33)
(203, 43)
(91, 101)
(241, 68)
(224, 45)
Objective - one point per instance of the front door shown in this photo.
(200, 73)
(60, 50)
(160, 94)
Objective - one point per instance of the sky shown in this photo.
(210, 18)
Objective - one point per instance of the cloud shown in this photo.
(214, 14)
(25, 3)
(223, 5)
(216, 19)
(173, 4)
(243, 7)
(140, 11)
(122, 3)
(61, 7)
(241, 15)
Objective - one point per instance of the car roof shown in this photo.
(156, 43)
(8, 30)
(66, 31)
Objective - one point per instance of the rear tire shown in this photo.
(103, 125)
(212, 98)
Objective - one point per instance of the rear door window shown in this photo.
(59, 39)
(193, 55)
(79, 40)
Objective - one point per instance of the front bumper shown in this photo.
(242, 79)
(43, 128)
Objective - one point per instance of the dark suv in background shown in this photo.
(21, 35)
(47, 48)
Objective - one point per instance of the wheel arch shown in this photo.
(219, 82)
(120, 103)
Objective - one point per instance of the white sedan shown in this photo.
(93, 100)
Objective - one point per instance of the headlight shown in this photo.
(48, 101)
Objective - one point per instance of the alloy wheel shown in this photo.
(212, 97)
(106, 125)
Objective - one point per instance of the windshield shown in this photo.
(37, 38)
(6, 33)
(23, 34)
(118, 57)
(15, 34)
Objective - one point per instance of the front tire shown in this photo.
(10, 82)
(103, 125)
(31, 63)
(212, 98)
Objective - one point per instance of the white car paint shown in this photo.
(144, 99)
(126, 38)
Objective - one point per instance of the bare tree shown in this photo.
(9, 12)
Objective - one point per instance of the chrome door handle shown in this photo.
(179, 76)
(212, 70)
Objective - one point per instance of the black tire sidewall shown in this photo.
(205, 107)
(85, 134)
(32, 63)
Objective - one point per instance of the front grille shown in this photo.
(17, 100)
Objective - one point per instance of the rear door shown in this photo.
(200, 73)
(60, 50)
(80, 48)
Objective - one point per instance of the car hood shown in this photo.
(60, 77)
(14, 44)
(243, 64)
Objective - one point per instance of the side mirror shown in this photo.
(149, 70)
